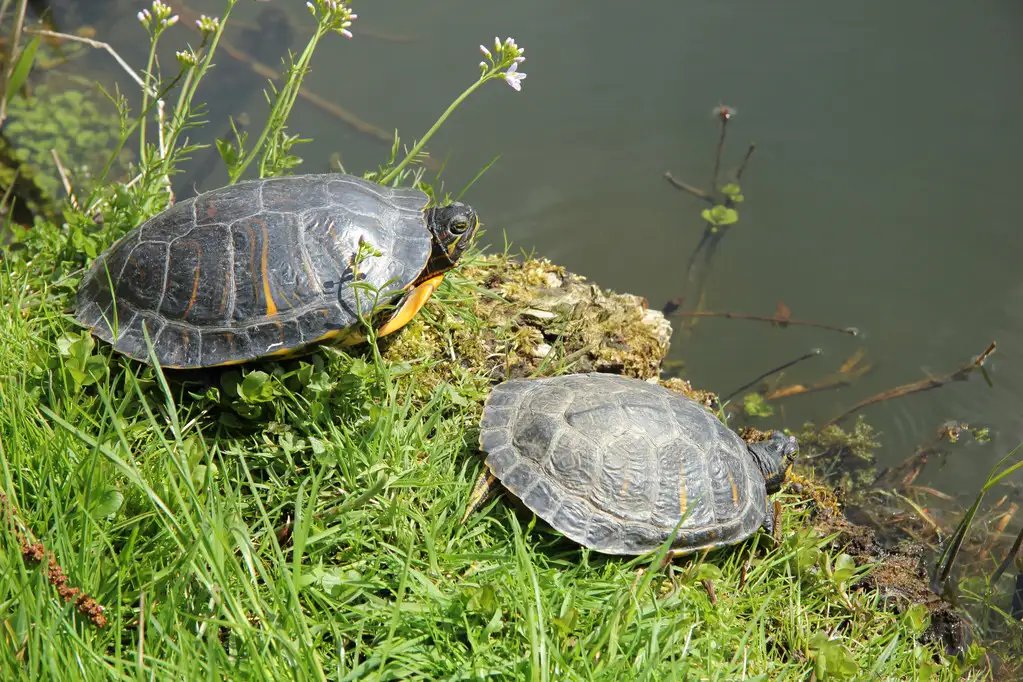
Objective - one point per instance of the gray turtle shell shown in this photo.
(615, 463)
(254, 269)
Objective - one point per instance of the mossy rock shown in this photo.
(517, 318)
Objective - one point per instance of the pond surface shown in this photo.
(883, 193)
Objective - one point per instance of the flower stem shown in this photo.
(143, 156)
(183, 109)
(429, 133)
(282, 107)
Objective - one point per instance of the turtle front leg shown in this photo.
(486, 486)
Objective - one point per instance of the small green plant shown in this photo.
(71, 124)
(754, 405)
(720, 216)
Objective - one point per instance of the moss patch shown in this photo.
(512, 319)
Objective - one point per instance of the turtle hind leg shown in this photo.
(486, 486)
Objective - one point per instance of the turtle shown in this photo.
(270, 268)
(616, 464)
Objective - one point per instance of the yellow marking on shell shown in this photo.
(271, 307)
(413, 303)
(624, 488)
(195, 281)
(735, 489)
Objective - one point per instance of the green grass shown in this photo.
(310, 529)
(302, 520)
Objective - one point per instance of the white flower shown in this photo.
(513, 77)
(186, 58)
(485, 52)
(144, 18)
(207, 25)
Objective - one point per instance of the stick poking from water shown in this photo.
(805, 356)
(960, 374)
(781, 321)
(904, 474)
(851, 369)
(686, 187)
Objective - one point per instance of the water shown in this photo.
(883, 193)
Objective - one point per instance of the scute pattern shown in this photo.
(254, 268)
(616, 463)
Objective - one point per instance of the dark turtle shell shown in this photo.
(255, 269)
(615, 463)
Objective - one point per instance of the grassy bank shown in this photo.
(302, 520)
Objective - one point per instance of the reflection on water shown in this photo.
(882, 194)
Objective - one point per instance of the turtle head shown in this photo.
(774, 458)
(453, 228)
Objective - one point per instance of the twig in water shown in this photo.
(699, 262)
(907, 471)
(850, 370)
(686, 187)
(781, 321)
(724, 113)
(1000, 526)
(960, 374)
(1007, 561)
(805, 356)
(745, 160)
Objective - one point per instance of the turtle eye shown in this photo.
(459, 225)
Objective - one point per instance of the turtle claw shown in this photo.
(486, 486)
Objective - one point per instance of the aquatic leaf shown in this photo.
(719, 216)
(754, 405)
(732, 191)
